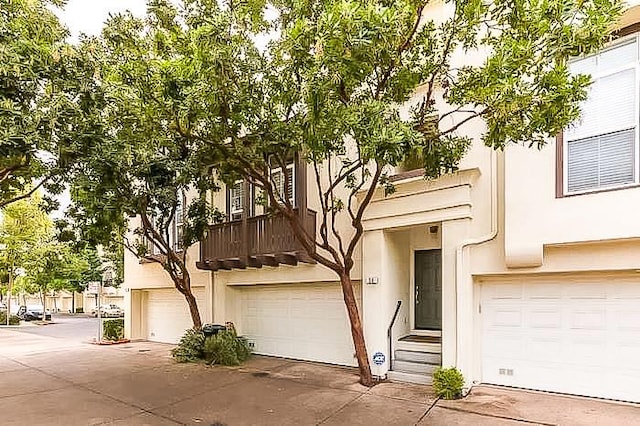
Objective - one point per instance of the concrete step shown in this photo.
(413, 367)
(399, 376)
(433, 348)
(413, 356)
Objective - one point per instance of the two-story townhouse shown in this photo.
(557, 296)
(519, 269)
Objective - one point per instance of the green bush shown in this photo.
(448, 383)
(190, 348)
(113, 329)
(226, 348)
(13, 320)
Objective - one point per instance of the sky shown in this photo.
(88, 16)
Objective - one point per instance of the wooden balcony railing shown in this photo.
(260, 240)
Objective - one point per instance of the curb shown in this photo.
(110, 342)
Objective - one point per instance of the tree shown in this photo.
(40, 96)
(46, 267)
(24, 228)
(133, 165)
(329, 87)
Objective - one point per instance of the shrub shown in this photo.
(448, 383)
(79, 310)
(13, 320)
(113, 329)
(226, 348)
(190, 348)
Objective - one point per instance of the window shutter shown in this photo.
(610, 106)
(617, 158)
(601, 161)
(582, 167)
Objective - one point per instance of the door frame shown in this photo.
(412, 295)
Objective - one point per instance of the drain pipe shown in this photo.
(474, 242)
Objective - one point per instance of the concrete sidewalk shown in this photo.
(138, 383)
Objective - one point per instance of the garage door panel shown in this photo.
(564, 336)
(298, 321)
(547, 319)
(167, 314)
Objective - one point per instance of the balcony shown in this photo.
(259, 241)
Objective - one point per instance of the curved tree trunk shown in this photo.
(193, 309)
(184, 287)
(357, 332)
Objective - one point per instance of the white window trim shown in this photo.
(565, 141)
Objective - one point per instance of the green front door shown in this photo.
(428, 290)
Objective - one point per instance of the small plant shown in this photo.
(190, 348)
(448, 383)
(226, 348)
(13, 320)
(113, 329)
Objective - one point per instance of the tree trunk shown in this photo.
(185, 288)
(193, 309)
(357, 332)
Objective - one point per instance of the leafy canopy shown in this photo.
(40, 99)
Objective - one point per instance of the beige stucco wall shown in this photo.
(142, 275)
(536, 234)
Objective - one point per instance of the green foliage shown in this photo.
(113, 329)
(40, 97)
(13, 320)
(226, 348)
(190, 348)
(24, 229)
(28, 235)
(448, 383)
(189, 88)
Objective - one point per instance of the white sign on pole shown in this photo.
(93, 287)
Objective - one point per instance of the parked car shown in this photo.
(32, 313)
(108, 311)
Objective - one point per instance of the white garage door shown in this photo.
(298, 321)
(578, 336)
(167, 314)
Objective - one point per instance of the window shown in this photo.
(278, 182)
(175, 229)
(236, 203)
(601, 150)
(178, 223)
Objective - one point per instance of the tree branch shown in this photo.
(357, 222)
(28, 194)
(387, 74)
(462, 122)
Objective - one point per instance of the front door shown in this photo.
(428, 290)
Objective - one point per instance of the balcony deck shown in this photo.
(259, 241)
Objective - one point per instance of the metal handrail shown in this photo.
(389, 332)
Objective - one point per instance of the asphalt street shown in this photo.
(72, 328)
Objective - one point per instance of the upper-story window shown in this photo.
(601, 150)
(178, 223)
(278, 182)
(175, 228)
(236, 203)
(236, 193)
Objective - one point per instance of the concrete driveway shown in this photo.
(54, 381)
